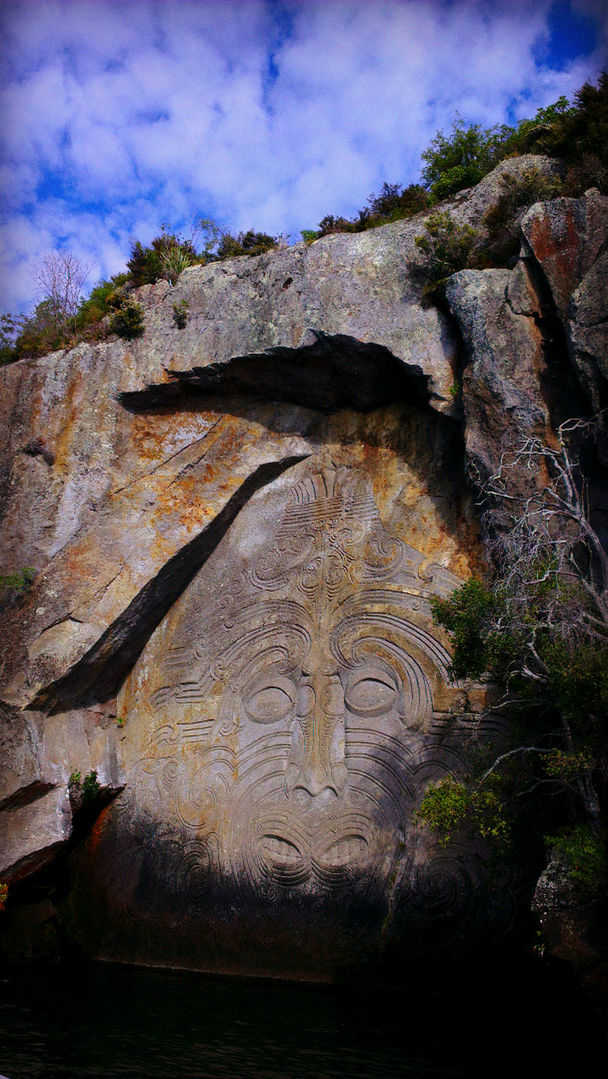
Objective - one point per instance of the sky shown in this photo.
(118, 116)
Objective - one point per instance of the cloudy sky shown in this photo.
(117, 116)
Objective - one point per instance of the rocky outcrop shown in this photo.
(498, 313)
(568, 240)
(238, 528)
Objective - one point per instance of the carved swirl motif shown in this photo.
(297, 711)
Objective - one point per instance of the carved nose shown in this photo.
(315, 779)
(317, 763)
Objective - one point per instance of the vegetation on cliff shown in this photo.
(539, 630)
(576, 133)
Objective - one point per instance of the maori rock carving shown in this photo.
(298, 722)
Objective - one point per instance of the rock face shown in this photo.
(238, 528)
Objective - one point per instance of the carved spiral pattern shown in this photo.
(296, 731)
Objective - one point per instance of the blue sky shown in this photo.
(118, 116)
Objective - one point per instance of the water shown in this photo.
(106, 1021)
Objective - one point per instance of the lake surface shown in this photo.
(107, 1021)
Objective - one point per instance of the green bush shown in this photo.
(451, 806)
(455, 180)
(90, 787)
(180, 314)
(444, 808)
(448, 247)
(246, 243)
(584, 852)
(168, 255)
(461, 159)
(128, 322)
(14, 586)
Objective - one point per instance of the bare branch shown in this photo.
(60, 277)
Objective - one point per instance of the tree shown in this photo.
(10, 328)
(540, 629)
(462, 158)
(60, 277)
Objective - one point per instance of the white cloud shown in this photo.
(118, 116)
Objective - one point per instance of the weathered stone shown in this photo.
(566, 236)
(588, 331)
(21, 775)
(284, 721)
(471, 205)
(239, 527)
(502, 395)
(31, 834)
(563, 914)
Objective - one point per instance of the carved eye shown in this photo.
(277, 849)
(271, 700)
(347, 849)
(372, 693)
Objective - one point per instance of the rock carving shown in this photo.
(296, 724)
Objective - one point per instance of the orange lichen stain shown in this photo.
(562, 246)
(72, 415)
(97, 829)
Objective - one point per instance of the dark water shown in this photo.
(107, 1021)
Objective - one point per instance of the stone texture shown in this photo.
(239, 527)
(566, 236)
(502, 383)
(31, 834)
(588, 331)
(21, 775)
(284, 721)
(568, 239)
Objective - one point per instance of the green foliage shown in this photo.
(15, 586)
(452, 806)
(448, 247)
(461, 159)
(3, 895)
(128, 322)
(20, 581)
(577, 133)
(10, 328)
(584, 851)
(486, 639)
(246, 243)
(444, 808)
(468, 615)
(167, 256)
(577, 671)
(394, 203)
(39, 333)
(90, 787)
(180, 314)
(329, 225)
(74, 780)
(567, 765)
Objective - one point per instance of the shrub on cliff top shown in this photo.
(128, 322)
(448, 248)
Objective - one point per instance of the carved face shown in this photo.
(292, 708)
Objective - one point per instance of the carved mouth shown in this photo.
(289, 853)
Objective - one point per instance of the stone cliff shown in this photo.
(238, 527)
